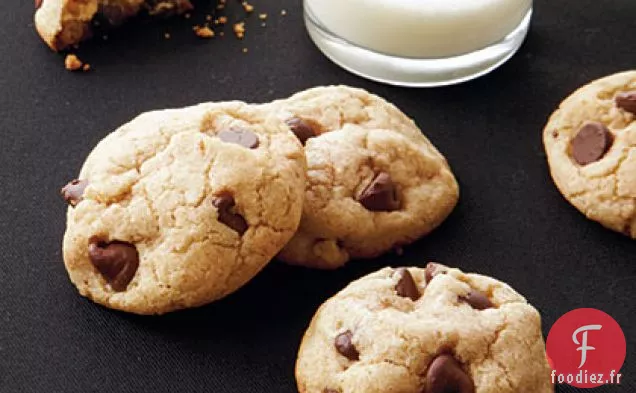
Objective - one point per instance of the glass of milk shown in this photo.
(418, 42)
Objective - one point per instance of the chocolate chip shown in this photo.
(591, 143)
(445, 375)
(116, 261)
(477, 300)
(380, 195)
(406, 286)
(627, 101)
(432, 270)
(245, 138)
(224, 204)
(73, 192)
(38, 4)
(303, 129)
(345, 347)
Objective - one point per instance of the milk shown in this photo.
(420, 28)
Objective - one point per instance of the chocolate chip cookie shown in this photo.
(375, 182)
(433, 330)
(63, 23)
(181, 207)
(590, 143)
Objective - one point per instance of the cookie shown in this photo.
(590, 143)
(63, 23)
(375, 182)
(432, 330)
(182, 207)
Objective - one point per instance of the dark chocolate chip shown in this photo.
(477, 300)
(344, 345)
(224, 204)
(406, 286)
(591, 143)
(445, 375)
(627, 101)
(432, 270)
(303, 129)
(245, 138)
(73, 192)
(38, 4)
(116, 261)
(380, 195)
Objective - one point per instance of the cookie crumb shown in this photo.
(208, 18)
(187, 15)
(239, 30)
(283, 12)
(222, 20)
(248, 7)
(244, 50)
(72, 63)
(166, 36)
(222, 34)
(263, 24)
(105, 37)
(86, 67)
(262, 16)
(203, 32)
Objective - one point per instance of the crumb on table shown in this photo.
(239, 30)
(203, 32)
(248, 7)
(73, 63)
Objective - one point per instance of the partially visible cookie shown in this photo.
(590, 143)
(375, 182)
(63, 23)
(181, 207)
(432, 330)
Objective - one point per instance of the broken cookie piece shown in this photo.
(63, 23)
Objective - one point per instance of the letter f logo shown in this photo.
(584, 347)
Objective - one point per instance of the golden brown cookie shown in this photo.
(432, 330)
(375, 182)
(590, 143)
(181, 207)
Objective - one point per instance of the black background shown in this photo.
(511, 222)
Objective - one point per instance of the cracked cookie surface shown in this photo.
(410, 331)
(351, 137)
(181, 207)
(590, 143)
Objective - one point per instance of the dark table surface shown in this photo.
(511, 221)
